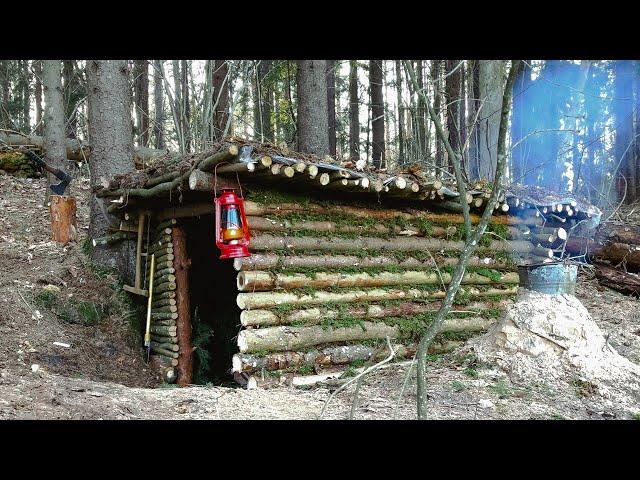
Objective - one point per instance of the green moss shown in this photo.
(470, 372)
(46, 299)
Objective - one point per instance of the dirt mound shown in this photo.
(553, 337)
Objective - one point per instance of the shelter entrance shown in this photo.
(215, 317)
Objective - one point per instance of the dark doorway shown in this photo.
(214, 313)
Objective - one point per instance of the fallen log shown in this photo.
(112, 238)
(75, 150)
(258, 281)
(614, 252)
(171, 347)
(264, 242)
(165, 352)
(266, 261)
(627, 283)
(273, 299)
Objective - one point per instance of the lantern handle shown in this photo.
(215, 181)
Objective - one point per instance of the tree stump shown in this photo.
(63, 218)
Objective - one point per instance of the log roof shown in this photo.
(172, 178)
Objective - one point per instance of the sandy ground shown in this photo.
(103, 375)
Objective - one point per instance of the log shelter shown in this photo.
(341, 259)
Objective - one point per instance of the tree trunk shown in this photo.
(54, 133)
(186, 105)
(354, 114)
(453, 102)
(70, 96)
(111, 138)
(473, 89)
(435, 81)
(5, 120)
(26, 96)
(377, 113)
(263, 99)
(313, 129)
(491, 89)
(183, 323)
(37, 67)
(520, 122)
(401, 154)
(421, 139)
(141, 100)
(623, 113)
(220, 82)
(331, 105)
(158, 101)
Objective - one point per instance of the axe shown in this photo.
(64, 178)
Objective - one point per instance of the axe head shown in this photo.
(62, 186)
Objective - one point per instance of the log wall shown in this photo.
(327, 286)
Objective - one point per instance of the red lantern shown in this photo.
(232, 231)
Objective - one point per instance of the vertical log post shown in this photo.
(182, 263)
(62, 209)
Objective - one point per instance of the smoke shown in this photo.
(569, 120)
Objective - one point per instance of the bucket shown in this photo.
(549, 278)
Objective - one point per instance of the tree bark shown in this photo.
(37, 68)
(186, 105)
(354, 114)
(331, 105)
(313, 129)
(111, 138)
(220, 82)
(54, 132)
(158, 101)
(377, 114)
(141, 100)
(491, 90)
(453, 102)
(400, 113)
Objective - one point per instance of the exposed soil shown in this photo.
(103, 373)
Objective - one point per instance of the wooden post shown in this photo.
(182, 264)
(63, 218)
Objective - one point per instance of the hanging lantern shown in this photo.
(232, 231)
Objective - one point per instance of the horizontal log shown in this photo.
(168, 361)
(316, 315)
(164, 309)
(266, 261)
(165, 352)
(261, 210)
(171, 347)
(273, 299)
(164, 287)
(262, 224)
(75, 150)
(264, 242)
(160, 296)
(164, 338)
(274, 339)
(162, 330)
(627, 283)
(113, 238)
(258, 281)
(163, 302)
(155, 315)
